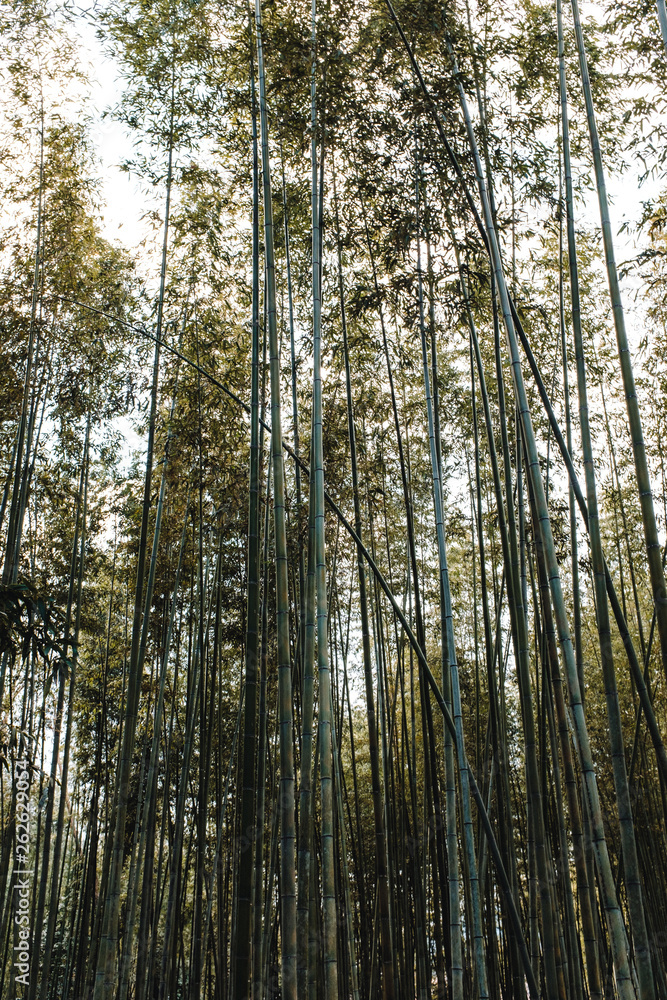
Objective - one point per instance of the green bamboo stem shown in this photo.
(629, 847)
(617, 932)
(60, 822)
(636, 671)
(507, 574)
(79, 529)
(556, 691)
(662, 21)
(258, 964)
(149, 806)
(287, 812)
(378, 806)
(325, 722)
(610, 902)
(538, 853)
(306, 769)
(450, 656)
(16, 511)
(639, 452)
(241, 973)
(107, 952)
(504, 535)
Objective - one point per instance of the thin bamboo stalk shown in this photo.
(617, 932)
(630, 860)
(378, 806)
(653, 549)
(449, 643)
(149, 806)
(287, 811)
(107, 953)
(79, 532)
(248, 767)
(325, 720)
(60, 822)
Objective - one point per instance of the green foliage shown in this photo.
(29, 623)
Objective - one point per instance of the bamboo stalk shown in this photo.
(248, 764)
(653, 550)
(378, 807)
(449, 643)
(287, 814)
(630, 860)
(325, 720)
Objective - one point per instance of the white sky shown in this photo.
(123, 202)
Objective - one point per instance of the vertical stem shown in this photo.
(325, 697)
(241, 972)
(287, 816)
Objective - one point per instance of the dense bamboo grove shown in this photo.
(350, 680)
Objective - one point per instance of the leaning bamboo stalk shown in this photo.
(584, 896)
(618, 937)
(653, 550)
(629, 847)
(496, 742)
(637, 675)
(543, 524)
(515, 612)
(538, 859)
(662, 21)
